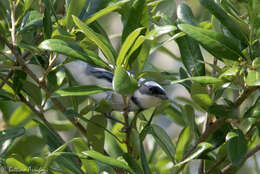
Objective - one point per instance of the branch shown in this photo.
(247, 91)
(42, 84)
(248, 155)
(209, 130)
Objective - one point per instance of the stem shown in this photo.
(229, 167)
(209, 130)
(42, 84)
(127, 126)
(13, 6)
(247, 91)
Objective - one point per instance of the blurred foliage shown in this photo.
(39, 100)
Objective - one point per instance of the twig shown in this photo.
(216, 165)
(247, 91)
(42, 84)
(209, 130)
(248, 155)
(9, 75)
(13, 6)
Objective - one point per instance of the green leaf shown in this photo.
(218, 137)
(175, 115)
(105, 11)
(162, 138)
(159, 31)
(253, 78)
(183, 141)
(253, 108)
(75, 8)
(19, 115)
(11, 133)
(142, 57)
(189, 48)
(217, 44)
(199, 94)
(238, 28)
(137, 16)
(32, 91)
(107, 160)
(90, 166)
(143, 159)
(222, 111)
(96, 134)
(81, 90)
(132, 163)
(256, 63)
(200, 79)
(185, 15)
(13, 163)
(5, 96)
(74, 51)
(236, 147)
(202, 147)
(27, 5)
(47, 23)
(123, 83)
(129, 41)
(55, 144)
(106, 48)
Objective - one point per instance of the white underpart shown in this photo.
(79, 73)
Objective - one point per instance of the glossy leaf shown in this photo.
(96, 134)
(11, 133)
(75, 7)
(13, 163)
(175, 115)
(143, 159)
(164, 141)
(217, 44)
(253, 78)
(107, 160)
(202, 147)
(47, 23)
(236, 147)
(19, 115)
(183, 141)
(237, 28)
(33, 91)
(131, 38)
(80, 146)
(222, 111)
(200, 95)
(105, 11)
(123, 83)
(136, 17)
(74, 51)
(98, 39)
(133, 163)
(159, 31)
(200, 79)
(189, 48)
(81, 90)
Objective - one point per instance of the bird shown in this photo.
(149, 94)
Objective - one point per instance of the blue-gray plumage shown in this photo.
(149, 94)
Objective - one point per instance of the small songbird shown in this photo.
(148, 95)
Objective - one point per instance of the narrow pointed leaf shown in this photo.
(239, 29)
(107, 160)
(200, 79)
(105, 11)
(98, 39)
(81, 90)
(75, 8)
(182, 143)
(236, 147)
(163, 140)
(74, 51)
(11, 133)
(131, 38)
(253, 78)
(217, 44)
(202, 147)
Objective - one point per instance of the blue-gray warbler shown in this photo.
(148, 95)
